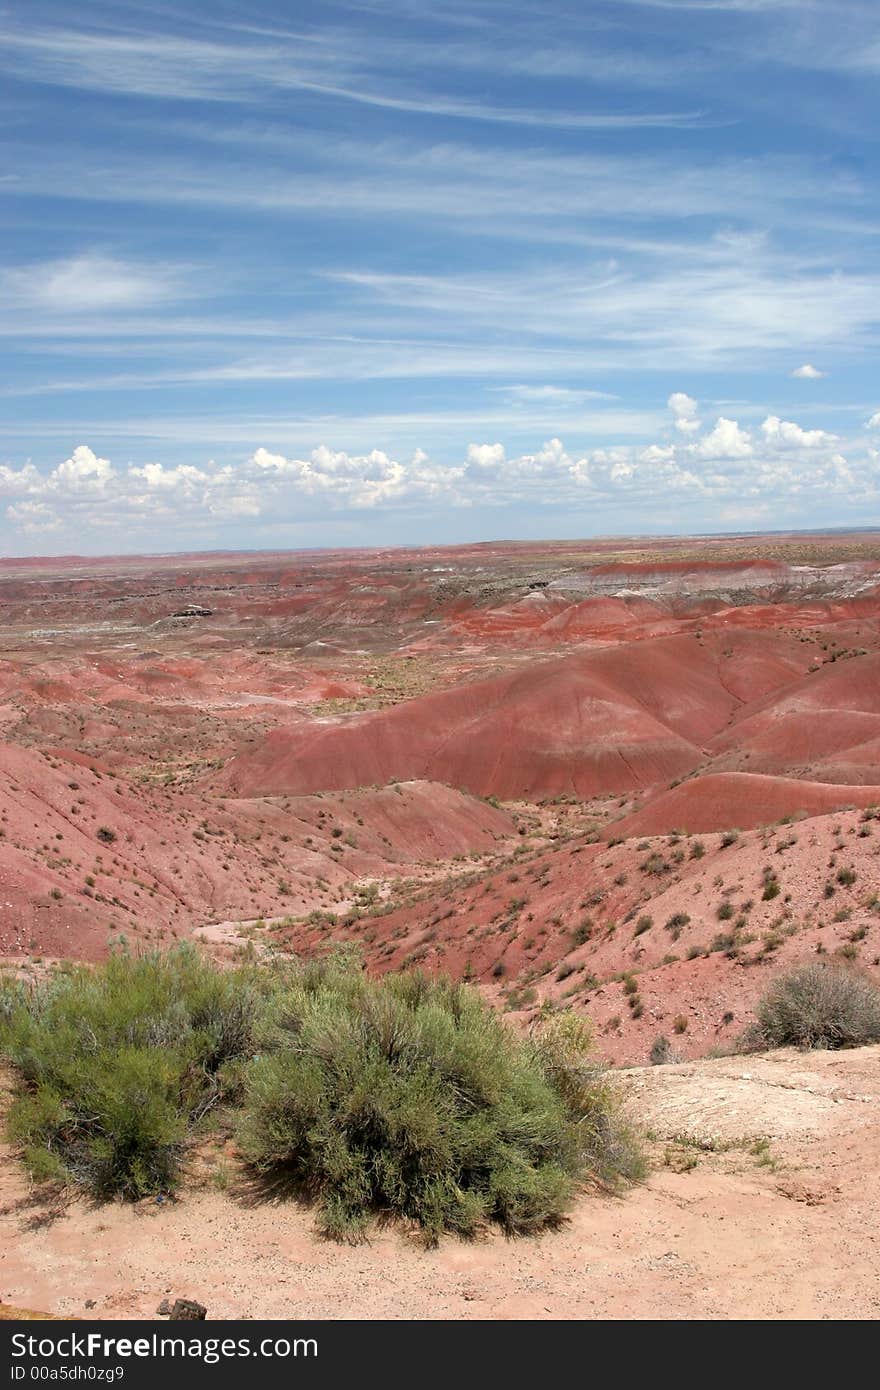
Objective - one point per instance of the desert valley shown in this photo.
(634, 779)
(550, 769)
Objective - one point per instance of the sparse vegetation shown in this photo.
(821, 1004)
(662, 1052)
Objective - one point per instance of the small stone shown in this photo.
(187, 1310)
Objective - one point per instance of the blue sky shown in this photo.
(327, 274)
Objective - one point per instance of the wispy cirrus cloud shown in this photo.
(187, 69)
(389, 230)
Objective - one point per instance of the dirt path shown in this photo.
(763, 1203)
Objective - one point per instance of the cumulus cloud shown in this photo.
(725, 441)
(485, 455)
(789, 435)
(155, 475)
(364, 480)
(18, 481)
(684, 411)
(807, 372)
(83, 470)
(777, 464)
(874, 422)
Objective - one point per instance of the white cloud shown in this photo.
(727, 466)
(725, 441)
(89, 282)
(553, 395)
(83, 470)
(684, 411)
(155, 475)
(874, 422)
(19, 481)
(807, 372)
(787, 434)
(485, 455)
(33, 518)
(327, 65)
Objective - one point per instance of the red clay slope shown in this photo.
(688, 922)
(721, 800)
(826, 726)
(83, 854)
(593, 723)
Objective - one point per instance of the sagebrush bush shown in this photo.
(403, 1096)
(411, 1096)
(117, 1063)
(662, 1052)
(817, 1005)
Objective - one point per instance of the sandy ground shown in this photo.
(762, 1204)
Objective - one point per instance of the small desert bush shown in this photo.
(410, 1096)
(116, 1064)
(817, 1005)
(662, 1053)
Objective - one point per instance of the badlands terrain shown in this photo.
(636, 777)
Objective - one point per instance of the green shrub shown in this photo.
(410, 1096)
(817, 1005)
(403, 1096)
(115, 1065)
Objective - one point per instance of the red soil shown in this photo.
(176, 862)
(740, 799)
(225, 750)
(607, 721)
(564, 923)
